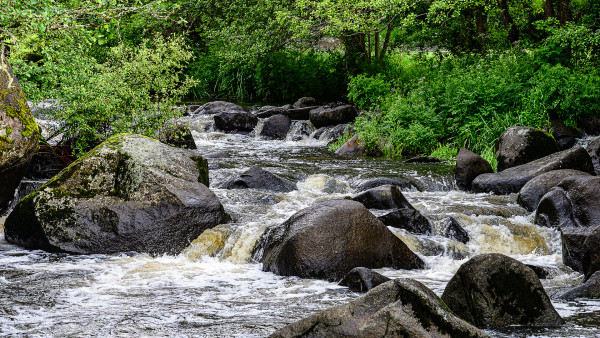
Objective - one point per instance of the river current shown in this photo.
(214, 288)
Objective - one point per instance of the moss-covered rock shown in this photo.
(131, 193)
(18, 133)
(398, 308)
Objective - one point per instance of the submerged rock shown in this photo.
(362, 279)
(18, 133)
(530, 195)
(329, 239)
(131, 193)
(258, 178)
(520, 145)
(400, 183)
(513, 179)
(496, 291)
(573, 202)
(398, 308)
(468, 166)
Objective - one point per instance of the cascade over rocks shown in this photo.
(362, 279)
(216, 107)
(18, 133)
(276, 127)
(329, 116)
(513, 179)
(398, 308)
(399, 183)
(131, 193)
(520, 145)
(496, 291)
(258, 178)
(530, 195)
(468, 166)
(329, 239)
(573, 202)
(572, 239)
(237, 121)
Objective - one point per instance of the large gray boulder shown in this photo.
(216, 107)
(329, 116)
(18, 133)
(329, 239)
(131, 193)
(530, 195)
(513, 179)
(236, 121)
(468, 166)
(520, 145)
(496, 291)
(398, 308)
(258, 178)
(573, 202)
(276, 127)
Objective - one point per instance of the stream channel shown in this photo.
(214, 288)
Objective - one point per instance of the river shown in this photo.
(214, 288)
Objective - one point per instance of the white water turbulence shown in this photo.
(215, 289)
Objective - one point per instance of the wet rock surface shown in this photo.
(468, 166)
(496, 291)
(530, 195)
(398, 308)
(131, 193)
(513, 179)
(520, 145)
(329, 116)
(329, 239)
(276, 127)
(362, 279)
(400, 183)
(236, 121)
(572, 239)
(258, 178)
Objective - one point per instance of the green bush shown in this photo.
(367, 92)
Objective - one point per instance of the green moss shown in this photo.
(202, 166)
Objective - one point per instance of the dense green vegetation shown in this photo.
(431, 76)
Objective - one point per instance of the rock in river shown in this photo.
(496, 291)
(258, 178)
(18, 133)
(513, 179)
(520, 145)
(131, 193)
(468, 166)
(329, 239)
(398, 308)
(532, 192)
(362, 279)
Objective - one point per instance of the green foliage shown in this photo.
(367, 92)
(337, 144)
(445, 152)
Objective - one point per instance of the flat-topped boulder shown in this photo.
(329, 116)
(131, 193)
(329, 239)
(513, 179)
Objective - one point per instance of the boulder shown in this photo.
(450, 228)
(408, 219)
(299, 113)
(356, 147)
(131, 193)
(589, 289)
(532, 192)
(238, 121)
(329, 239)
(329, 116)
(513, 179)
(268, 111)
(304, 102)
(276, 127)
(520, 145)
(590, 253)
(566, 143)
(590, 125)
(383, 197)
(468, 166)
(572, 203)
(177, 135)
(572, 239)
(362, 279)
(258, 178)
(496, 291)
(216, 107)
(561, 131)
(398, 308)
(18, 133)
(593, 148)
(399, 183)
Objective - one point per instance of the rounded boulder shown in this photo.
(520, 145)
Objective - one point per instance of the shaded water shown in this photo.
(215, 289)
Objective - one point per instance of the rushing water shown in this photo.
(215, 289)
